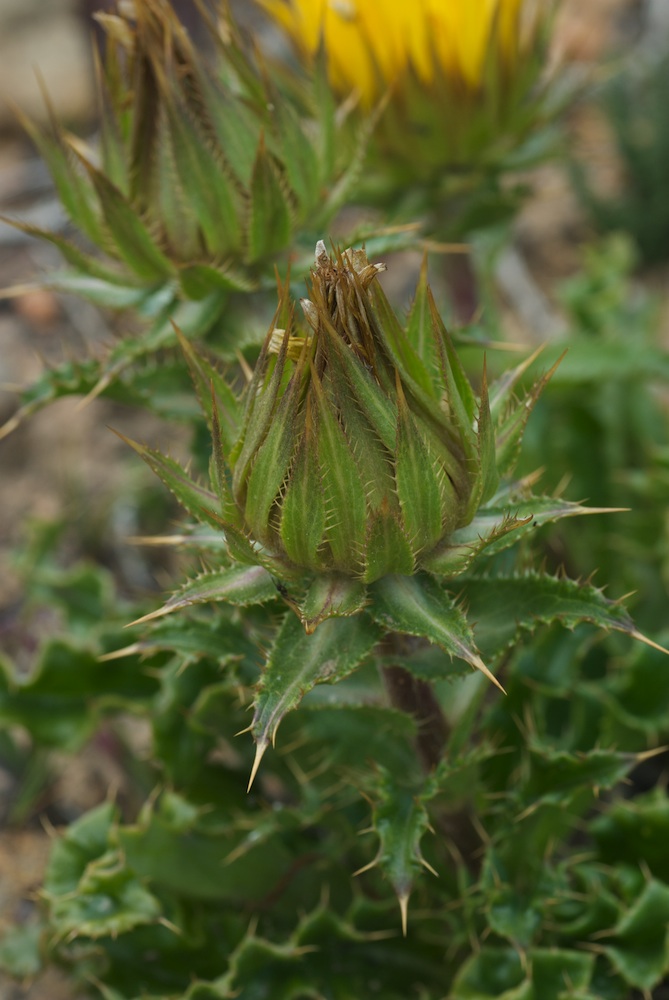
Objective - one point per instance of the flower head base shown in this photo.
(454, 71)
(358, 455)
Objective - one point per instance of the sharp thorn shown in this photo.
(118, 654)
(649, 642)
(365, 868)
(404, 911)
(151, 615)
(260, 753)
(478, 663)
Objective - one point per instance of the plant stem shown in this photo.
(416, 698)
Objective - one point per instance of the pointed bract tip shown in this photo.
(365, 868)
(478, 663)
(150, 617)
(260, 753)
(118, 654)
(403, 900)
(649, 642)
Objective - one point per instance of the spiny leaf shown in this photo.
(62, 701)
(211, 387)
(199, 502)
(240, 585)
(503, 606)
(511, 424)
(199, 280)
(400, 820)
(303, 508)
(495, 528)
(74, 189)
(77, 258)
(418, 605)
(212, 196)
(417, 482)
(640, 947)
(109, 900)
(298, 661)
(331, 595)
(488, 479)
(270, 213)
(130, 236)
(342, 483)
(387, 546)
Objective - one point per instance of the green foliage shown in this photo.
(353, 593)
(634, 103)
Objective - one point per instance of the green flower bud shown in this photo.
(361, 451)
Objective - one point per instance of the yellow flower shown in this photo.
(371, 45)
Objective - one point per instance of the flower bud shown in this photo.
(359, 453)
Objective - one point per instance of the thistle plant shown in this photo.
(360, 480)
(209, 172)
(357, 601)
(205, 172)
(461, 84)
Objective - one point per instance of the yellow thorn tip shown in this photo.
(649, 642)
(260, 753)
(480, 665)
(404, 911)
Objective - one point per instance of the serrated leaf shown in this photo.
(190, 638)
(636, 833)
(270, 212)
(206, 378)
(303, 509)
(261, 397)
(495, 528)
(492, 973)
(198, 501)
(511, 425)
(488, 479)
(271, 463)
(331, 595)
(418, 605)
(297, 662)
(170, 846)
(239, 585)
(345, 501)
(404, 357)
(461, 398)
(555, 776)
(387, 547)
(503, 606)
(420, 330)
(77, 258)
(400, 821)
(109, 295)
(326, 956)
(74, 188)
(109, 900)
(297, 154)
(212, 198)
(85, 840)
(640, 952)
(417, 483)
(62, 701)
(130, 236)
(199, 280)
